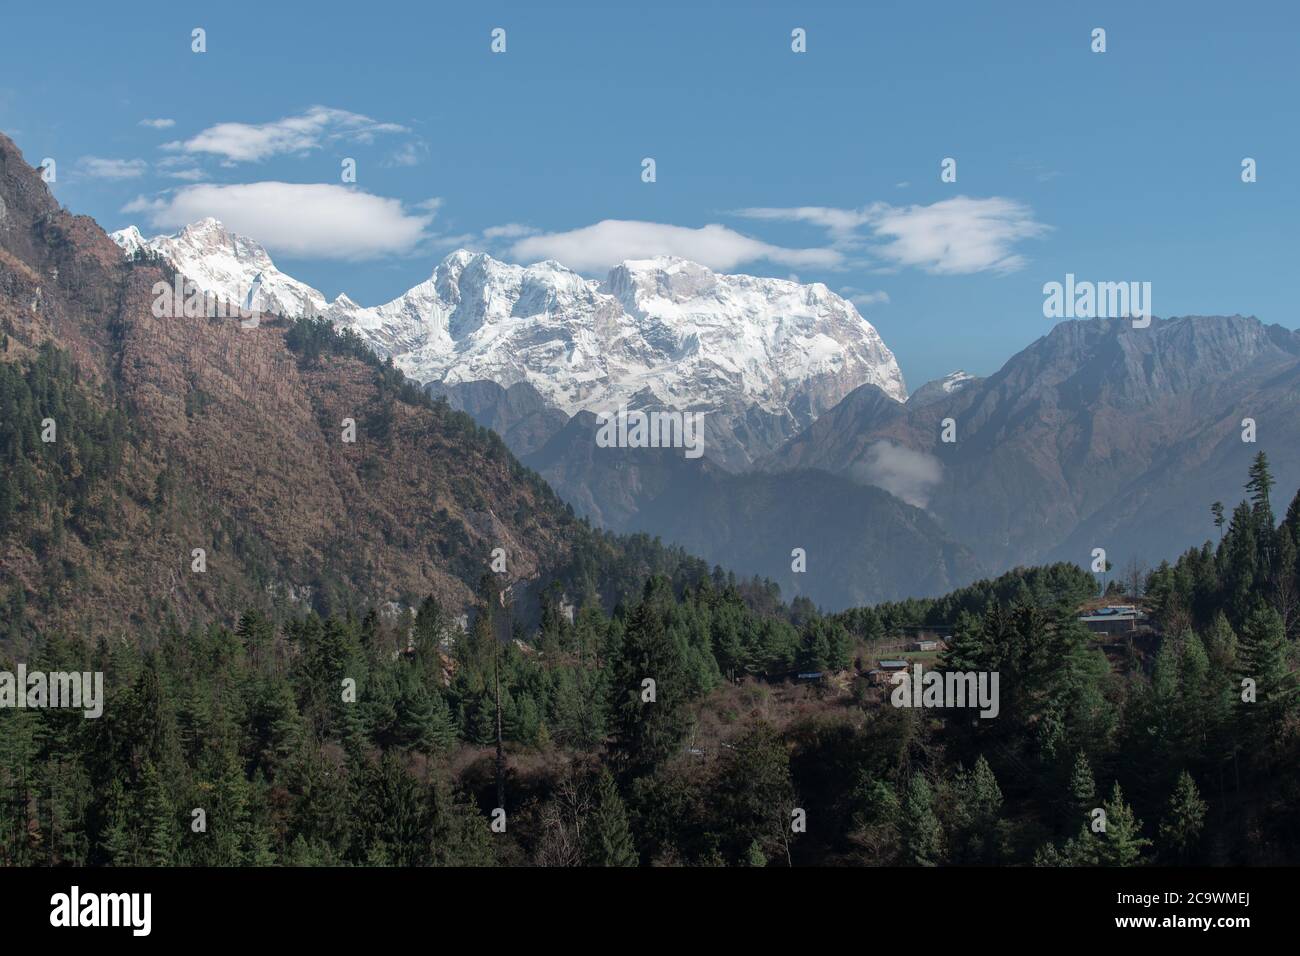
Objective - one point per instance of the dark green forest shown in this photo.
(242, 746)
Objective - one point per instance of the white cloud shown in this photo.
(180, 167)
(158, 123)
(251, 142)
(839, 222)
(955, 236)
(606, 243)
(906, 474)
(408, 154)
(99, 168)
(864, 299)
(509, 230)
(306, 220)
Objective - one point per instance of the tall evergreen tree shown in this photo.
(1180, 831)
(1122, 842)
(922, 834)
(648, 686)
(1262, 717)
(609, 838)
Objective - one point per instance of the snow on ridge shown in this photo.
(693, 337)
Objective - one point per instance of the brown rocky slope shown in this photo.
(210, 435)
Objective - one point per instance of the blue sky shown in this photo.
(1123, 165)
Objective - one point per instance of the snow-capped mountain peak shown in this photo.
(664, 327)
(229, 265)
(942, 387)
(129, 239)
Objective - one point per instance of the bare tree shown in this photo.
(561, 821)
(1135, 575)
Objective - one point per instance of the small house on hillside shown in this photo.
(1113, 619)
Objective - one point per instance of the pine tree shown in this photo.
(1285, 584)
(1260, 484)
(979, 835)
(1122, 843)
(647, 731)
(161, 828)
(922, 834)
(609, 839)
(115, 838)
(1083, 787)
(460, 835)
(1239, 564)
(1263, 659)
(1180, 831)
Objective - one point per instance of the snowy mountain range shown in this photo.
(230, 266)
(761, 357)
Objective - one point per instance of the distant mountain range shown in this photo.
(1096, 435)
(761, 358)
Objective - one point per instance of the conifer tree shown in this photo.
(1263, 659)
(1180, 831)
(922, 834)
(1239, 564)
(650, 720)
(1122, 842)
(115, 845)
(979, 828)
(609, 839)
(161, 828)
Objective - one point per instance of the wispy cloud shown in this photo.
(906, 474)
(606, 243)
(408, 154)
(955, 236)
(252, 142)
(158, 123)
(305, 220)
(509, 230)
(838, 222)
(864, 299)
(99, 168)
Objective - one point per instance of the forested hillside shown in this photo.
(253, 725)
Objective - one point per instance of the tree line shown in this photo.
(244, 746)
